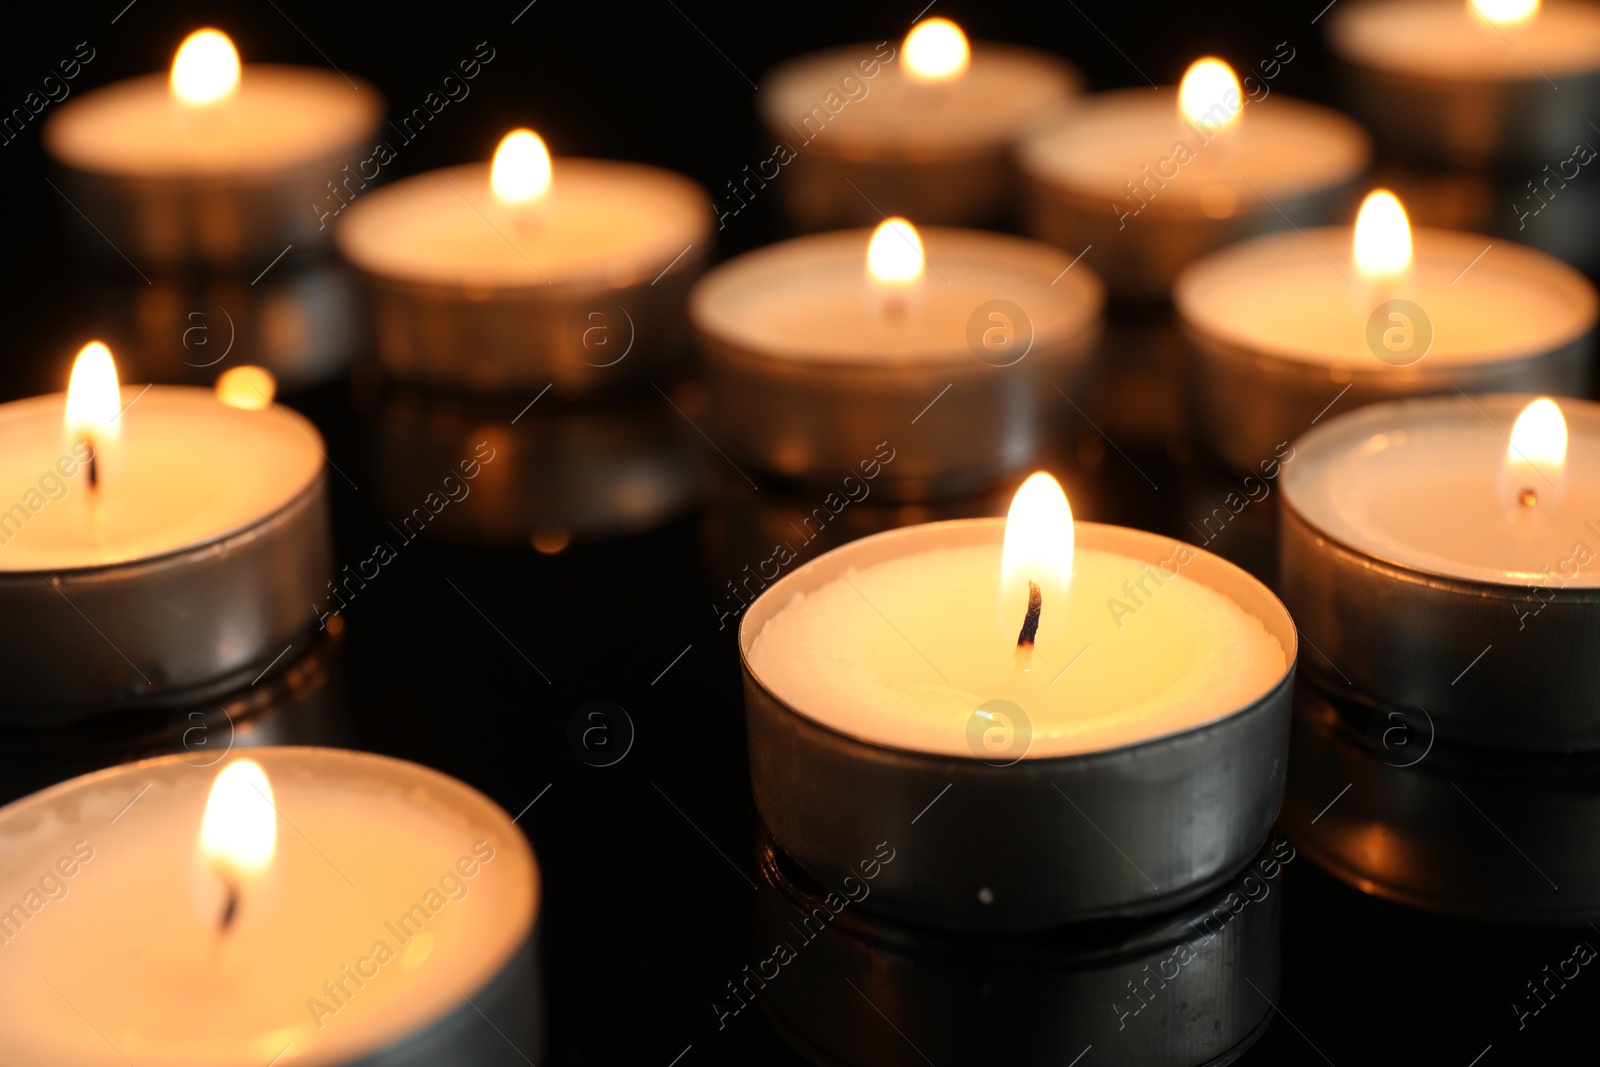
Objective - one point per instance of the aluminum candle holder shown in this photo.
(596, 328)
(1056, 989)
(806, 410)
(856, 139)
(169, 215)
(1383, 804)
(1414, 75)
(1399, 634)
(1011, 848)
(1255, 392)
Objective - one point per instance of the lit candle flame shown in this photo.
(1382, 247)
(894, 255)
(1536, 457)
(935, 51)
(94, 402)
(1209, 95)
(206, 68)
(1504, 12)
(249, 387)
(520, 173)
(239, 831)
(1036, 561)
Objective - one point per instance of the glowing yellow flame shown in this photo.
(93, 398)
(894, 256)
(1038, 548)
(1539, 438)
(1209, 95)
(248, 387)
(521, 170)
(240, 829)
(1383, 236)
(1505, 12)
(206, 68)
(936, 50)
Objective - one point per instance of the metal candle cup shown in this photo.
(456, 302)
(857, 139)
(168, 204)
(359, 820)
(1011, 847)
(1438, 83)
(206, 610)
(1055, 989)
(1281, 334)
(1105, 177)
(794, 395)
(1399, 623)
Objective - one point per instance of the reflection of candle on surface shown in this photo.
(1160, 651)
(400, 894)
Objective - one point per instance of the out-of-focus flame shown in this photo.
(894, 255)
(206, 68)
(1504, 12)
(1038, 548)
(936, 50)
(248, 387)
(1209, 95)
(520, 173)
(239, 831)
(1382, 246)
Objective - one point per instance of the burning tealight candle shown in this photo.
(214, 165)
(308, 905)
(1288, 325)
(155, 544)
(1050, 672)
(1471, 82)
(930, 136)
(1425, 535)
(1152, 180)
(528, 271)
(825, 351)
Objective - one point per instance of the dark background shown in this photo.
(643, 920)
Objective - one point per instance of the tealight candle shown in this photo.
(823, 352)
(1423, 537)
(1471, 82)
(1152, 180)
(530, 272)
(314, 905)
(1286, 326)
(154, 545)
(216, 165)
(1056, 674)
(930, 136)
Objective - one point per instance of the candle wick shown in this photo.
(1528, 498)
(1030, 627)
(93, 471)
(230, 907)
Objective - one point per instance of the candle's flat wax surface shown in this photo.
(1419, 484)
(133, 942)
(1443, 39)
(1278, 147)
(277, 118)
(810, 298)
(187, 469)
(1298, 296)
(904, 651)
(603, 222)
(1004, 92)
